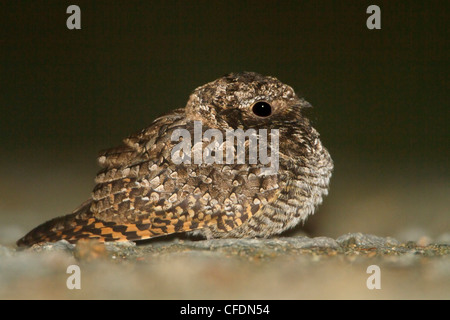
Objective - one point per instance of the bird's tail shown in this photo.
(50, 231)
(64, 227)
(81, 224)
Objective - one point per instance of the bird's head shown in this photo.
(245, 100)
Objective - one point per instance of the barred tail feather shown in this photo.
(71, 229)
(83, 225)
(49, 231)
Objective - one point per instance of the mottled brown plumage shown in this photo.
(141, 193)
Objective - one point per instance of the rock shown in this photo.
(278, 268)
(366, 241)
(61, 245)
(6, 252)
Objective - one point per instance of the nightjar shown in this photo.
(142, 193)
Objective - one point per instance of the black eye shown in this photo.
(262, 109)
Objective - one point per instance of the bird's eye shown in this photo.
(262, 109)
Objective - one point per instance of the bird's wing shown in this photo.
(141, 193)
(141, 187)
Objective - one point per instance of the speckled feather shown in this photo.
(140, 193)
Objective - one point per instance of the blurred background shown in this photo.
(380, 97)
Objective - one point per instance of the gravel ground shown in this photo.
(280, 268)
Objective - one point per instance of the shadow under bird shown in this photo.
(140, 193)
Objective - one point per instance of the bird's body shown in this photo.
(141, 193)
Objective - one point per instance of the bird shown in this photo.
(141, 192)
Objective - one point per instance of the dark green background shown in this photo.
(380, 96)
